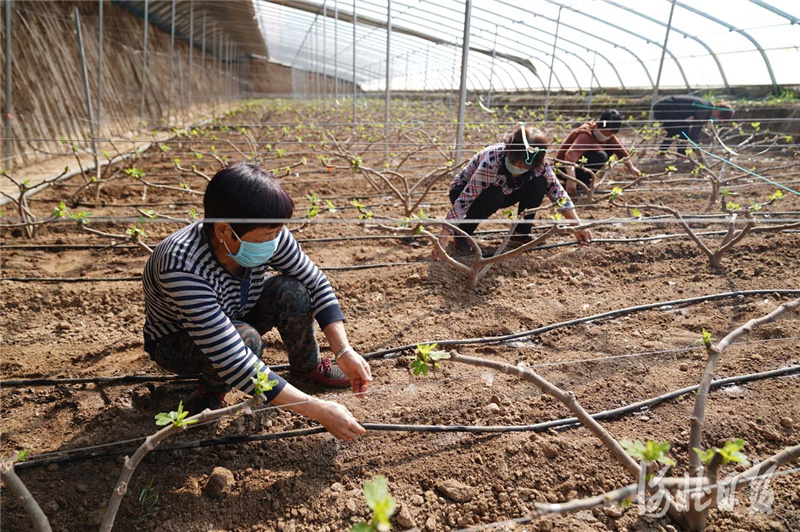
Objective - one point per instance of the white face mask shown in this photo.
(599, 136)
(514, 169)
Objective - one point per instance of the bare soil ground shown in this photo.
(314, 483)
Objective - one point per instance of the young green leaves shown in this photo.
(707, 339)
(80, 218)
(363, 213)
(262, 382)
(650, 451)
(405, 222)
(176, 418)
(426, 359)
(382, 504)
(776, 196)
(61, 211)
(730, 452)
(313, 209)
(136, 173)
(135, 233)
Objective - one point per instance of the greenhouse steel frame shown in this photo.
(512, 46)
(508, 46)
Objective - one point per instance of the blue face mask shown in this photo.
(252, 254)
(514, 169)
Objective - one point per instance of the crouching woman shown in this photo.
(209, 299)
(512, 172)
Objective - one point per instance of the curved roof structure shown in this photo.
(225, 21)
(599, 43)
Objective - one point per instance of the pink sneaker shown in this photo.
(325, 373)
(205, 399)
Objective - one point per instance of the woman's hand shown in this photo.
(337, 419)
(571, 187)
(583, 236)
(334, 417)
(632, 169)
(437, 254)
(357, 370)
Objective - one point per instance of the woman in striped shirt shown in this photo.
(209, 300)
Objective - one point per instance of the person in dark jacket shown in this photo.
(686, 114)
(595, 142)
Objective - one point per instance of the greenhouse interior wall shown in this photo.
(49, 100)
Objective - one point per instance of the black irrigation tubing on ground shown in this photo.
(124, 379)
(491, 233)
(69, 279)
(139, 278)
(564, 423)
(577, 321)
(377, 264)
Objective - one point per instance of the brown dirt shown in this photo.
(314, 483)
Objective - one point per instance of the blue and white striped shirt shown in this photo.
(186, 288)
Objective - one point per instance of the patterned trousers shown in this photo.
(284, 304)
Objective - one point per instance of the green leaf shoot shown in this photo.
(730, 452)
(649, 451)
(262, 381)
(426, 359)
(382, 504)
(176, 418)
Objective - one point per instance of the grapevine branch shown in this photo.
(21, 201)
(475, 271)
(714, 352)
(193, 170)
(133, 238)
(732, 238)
(566, 398)
(26, 500)
(152, 441)
(599, 177)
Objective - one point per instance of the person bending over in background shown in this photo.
(596, 141)
(514, 171)
(686, 114)
(209, 300)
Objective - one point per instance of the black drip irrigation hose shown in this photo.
(125, 379)
(577, 321)
(488, 234)
(465, 341)
(564, 424)
(375, 265)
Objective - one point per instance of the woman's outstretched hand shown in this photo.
(583, 236)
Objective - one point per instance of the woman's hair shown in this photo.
(724, 109)
(515, 146)
(246, 190)
(610, 119)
